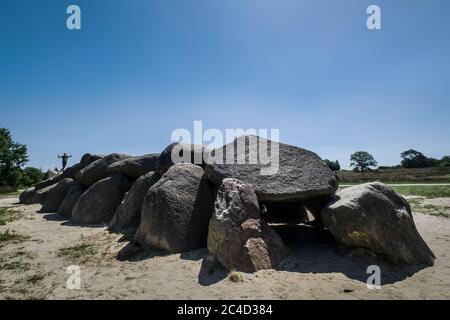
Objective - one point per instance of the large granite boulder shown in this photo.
(40, 195)
(45, 183)
(56, 195)
(373, 216)
(27, 196)
(98, 169)
(74, 193)
(86, 160)
(295, 175)
(98, 203)
(177, 210)
(237, 236)
(128, 214)
(182, 153)
(134, 167)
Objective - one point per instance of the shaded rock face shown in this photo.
(284, 212)
(98, 169)
(373, 216)
(40, 195)
(128, 215)
(237, 237)
(74, 193)
(301, 174)
(98, 203)
(190, 152)
(134, 167)
(177, 210)
(26, 197)
(56, 195)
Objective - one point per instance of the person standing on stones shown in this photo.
(64, 158)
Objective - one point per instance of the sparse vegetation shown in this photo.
(418, 205)
(33, 279)
(8, 236)
(77, 252)
(397, 175)
(235, 276)
(8, 214)
(431, 191)
(15, 265)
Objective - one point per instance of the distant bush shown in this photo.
(333, 165)
(415, 159)
(362, 161)
(30, 176)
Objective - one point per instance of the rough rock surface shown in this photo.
(128, 214)
(301, 174)
(237, 237)
(373, 216)
(26, 197)
(134, 167)
(56, 195)
(177, 210)
(40, 195)
(98, 169)
(98, 203)
(74, 193)
(192, 153)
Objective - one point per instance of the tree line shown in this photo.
(362, 161)
(13, 157)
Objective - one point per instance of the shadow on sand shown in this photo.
(313, 250)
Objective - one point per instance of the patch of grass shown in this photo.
(424, 191)
(15, 265)
(8, 214)
(235, 276)
(417, 205)
(8, 190)
(76, 252)
(11, 237)
(33, 279)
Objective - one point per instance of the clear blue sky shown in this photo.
(140, 69)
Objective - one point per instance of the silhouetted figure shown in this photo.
(64, 158)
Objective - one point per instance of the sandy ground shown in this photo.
(316, 269)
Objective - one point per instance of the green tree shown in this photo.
(415, 159)
(362, 161)
(333, 165)
(30, 176)
(13, 156)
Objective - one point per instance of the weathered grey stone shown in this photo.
(177, 210)
(26, 197)
(373, 216)
(128, 214)
(56, 196)
(134, 167)
(187, 153)
(301, 174)
(98, 169)
(74, 193)
(40, 195)
(98, 203)
(237, 236)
